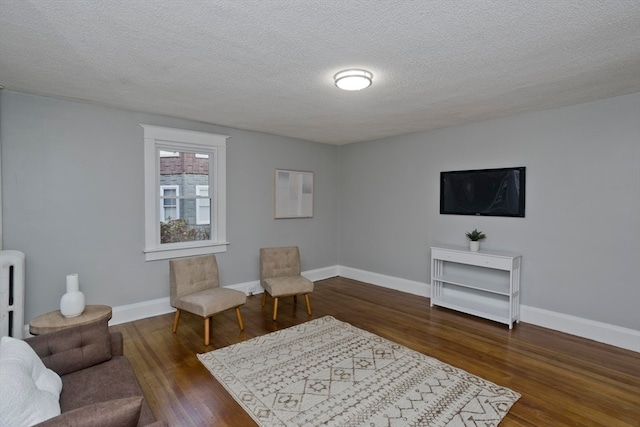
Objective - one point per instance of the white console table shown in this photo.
(484, 283)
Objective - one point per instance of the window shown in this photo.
(169, 203)
(185, 192)
(203, 204)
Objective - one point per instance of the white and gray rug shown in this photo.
(329, 373)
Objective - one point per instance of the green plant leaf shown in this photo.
(475, 235)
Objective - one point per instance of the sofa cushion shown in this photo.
(114, 379)
(75, 348)
(118, 412)
(29, 391)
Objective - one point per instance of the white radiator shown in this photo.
(12, 293)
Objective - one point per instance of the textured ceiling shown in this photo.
(267, 65)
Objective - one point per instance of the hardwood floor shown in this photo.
(564, 380)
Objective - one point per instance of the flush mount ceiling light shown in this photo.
(353, 79)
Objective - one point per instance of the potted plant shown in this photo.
(474, 239)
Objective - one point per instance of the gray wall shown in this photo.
(72, 178)
(72, 187)
(580, 238)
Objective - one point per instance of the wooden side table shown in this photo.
(55, 321)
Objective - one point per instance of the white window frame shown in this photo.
(200, 202)
(161, 203)
(158, 138)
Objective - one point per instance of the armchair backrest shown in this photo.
(279, 262)
(193, 274)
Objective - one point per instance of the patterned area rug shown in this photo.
(329, 373)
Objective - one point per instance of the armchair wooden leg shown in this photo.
(264, 298)
(275, 308)
(306, 298)
(295, 298)
(176, 320)
(239, 316)
(206, 330)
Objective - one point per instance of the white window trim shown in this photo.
(161, 204)
(170, 139)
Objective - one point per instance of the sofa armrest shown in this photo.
(72, 349)
(117, 344)
(119, 412)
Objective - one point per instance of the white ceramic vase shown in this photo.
(474, 245)
(72, 303)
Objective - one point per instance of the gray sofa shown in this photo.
(99, 386)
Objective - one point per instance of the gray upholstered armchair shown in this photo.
(195, 288)
(280, 276)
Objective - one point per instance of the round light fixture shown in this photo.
(353, 79)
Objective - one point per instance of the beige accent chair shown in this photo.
(195, 288)
(280, 276)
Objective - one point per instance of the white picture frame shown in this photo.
(293, 194)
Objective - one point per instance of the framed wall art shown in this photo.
(293, 194)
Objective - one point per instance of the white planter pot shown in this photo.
(474, 246)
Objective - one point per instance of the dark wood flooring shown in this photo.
(564, 380)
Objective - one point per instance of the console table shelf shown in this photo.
(455, 283)
(497, 314)
(483, 285)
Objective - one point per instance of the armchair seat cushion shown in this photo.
(210, 301)
(287, 285)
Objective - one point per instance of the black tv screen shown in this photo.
(488, 192)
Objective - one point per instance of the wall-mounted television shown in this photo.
(487, 192)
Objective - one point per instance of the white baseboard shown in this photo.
(321, 273)
(249, 288)
(404, 285)
(140, 310)
(602, 332)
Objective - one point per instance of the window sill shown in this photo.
(155, 254)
